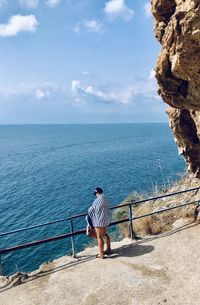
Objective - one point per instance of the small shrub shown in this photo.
(162, 222)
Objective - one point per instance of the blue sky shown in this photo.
(78, 61)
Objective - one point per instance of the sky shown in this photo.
(78, 61)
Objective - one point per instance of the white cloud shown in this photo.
(111, 102)
(44, 90)
(75, 86)
(85, 72)
(106, 95)
(93, 26)
(90, 26)
(126, 95)
(139, 90)
(118, 8)
(18, 23)
(41, 94)
(29, 3)
(147, 9)
(152, 74)
(96, 93)
(52, 3)
(77, 89)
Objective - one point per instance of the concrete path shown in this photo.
(161, 270)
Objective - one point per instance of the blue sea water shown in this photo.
(48, 172)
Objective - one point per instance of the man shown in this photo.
(99, 214)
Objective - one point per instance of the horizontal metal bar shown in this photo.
(40, 225)
(153, 213)
(154, 198)
(84, 214)
(164, 210)
(67, 235)
(78, 215)
(58, 237)
(39, 242)
(34, 227)
(118, 222)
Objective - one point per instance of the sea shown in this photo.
(49, 172)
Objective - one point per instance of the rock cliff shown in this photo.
(177, 28)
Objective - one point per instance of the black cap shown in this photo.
(98, 190)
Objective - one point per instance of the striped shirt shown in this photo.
(99, 212)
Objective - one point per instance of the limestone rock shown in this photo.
(180, 223)
(177, 28)
(18, 278)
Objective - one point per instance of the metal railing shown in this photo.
(73, 233)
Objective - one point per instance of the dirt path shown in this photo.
(164, 270)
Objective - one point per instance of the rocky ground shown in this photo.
(157, 270)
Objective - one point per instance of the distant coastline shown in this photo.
(63, 124)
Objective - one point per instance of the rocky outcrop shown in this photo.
(177, 28)
(162, 222)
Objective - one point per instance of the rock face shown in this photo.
(177, 28)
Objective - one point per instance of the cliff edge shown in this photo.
(177, 28)
(157, 270)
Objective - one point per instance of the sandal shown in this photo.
(100, 256)
(107, 252)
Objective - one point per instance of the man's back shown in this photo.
(99, 212)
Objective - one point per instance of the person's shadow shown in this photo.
(131, 250)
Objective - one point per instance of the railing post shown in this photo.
(131, 223)
(196, 211)
(1, 268)
(73, 254)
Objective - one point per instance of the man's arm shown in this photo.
(91, 210)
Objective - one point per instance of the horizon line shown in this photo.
(81, 123)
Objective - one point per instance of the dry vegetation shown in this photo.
(165, 221)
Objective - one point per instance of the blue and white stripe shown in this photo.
(99, 212)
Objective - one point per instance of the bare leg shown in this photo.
(100, 240)
(100, 245)
(108, 243)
